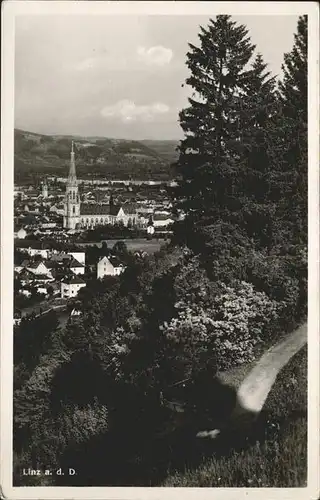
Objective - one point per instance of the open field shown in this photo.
(139, 244)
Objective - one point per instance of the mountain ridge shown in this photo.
(43, 154)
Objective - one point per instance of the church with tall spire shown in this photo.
(79, 215)
(72, 198)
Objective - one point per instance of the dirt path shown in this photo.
(256, 386)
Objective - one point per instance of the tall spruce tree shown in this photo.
(225, 150)
(294, 99)
(258, 117)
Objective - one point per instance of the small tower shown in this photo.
(44, 189)
(72, 198)
(111, 201)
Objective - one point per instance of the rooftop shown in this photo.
(75, 263)
(34, 265)
(73, 280)
(99, 209)
(114, 261)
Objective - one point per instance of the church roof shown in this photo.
(106, 209)
(97, 209)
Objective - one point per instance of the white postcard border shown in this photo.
(10, 9)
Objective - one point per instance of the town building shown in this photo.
(70, 286)
(88, 215)
(109, 267)
(33, 248)
(43, 252)
(76, 267)
(29, 276)
(79, 256)
(34, 267)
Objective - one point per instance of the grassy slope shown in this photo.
(277, 455)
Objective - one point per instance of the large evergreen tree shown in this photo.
(258, 120)
(294, 99)
(225, 150)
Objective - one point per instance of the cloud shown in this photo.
(154, 56)
(127, 111)
(101, 62)
(158, 56)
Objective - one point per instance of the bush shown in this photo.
(228, 323)
(79, 424)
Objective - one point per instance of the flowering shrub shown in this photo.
(226, 325)
(78, 425)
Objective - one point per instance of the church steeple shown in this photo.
(45, 189)
(72, 178)
(72, 198)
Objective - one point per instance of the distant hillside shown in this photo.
(165, 149)
(38, 154)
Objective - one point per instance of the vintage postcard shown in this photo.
(160, 250)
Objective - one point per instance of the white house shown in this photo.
(71, 286)
(108, 267)
(79, 256)
(76, 267)
(38, 268)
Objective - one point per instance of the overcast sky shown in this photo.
(117, 76)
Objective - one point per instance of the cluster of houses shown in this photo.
(48, 211)
(59, 274)
(54, 213)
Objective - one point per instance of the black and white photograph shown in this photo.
(159, 287)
